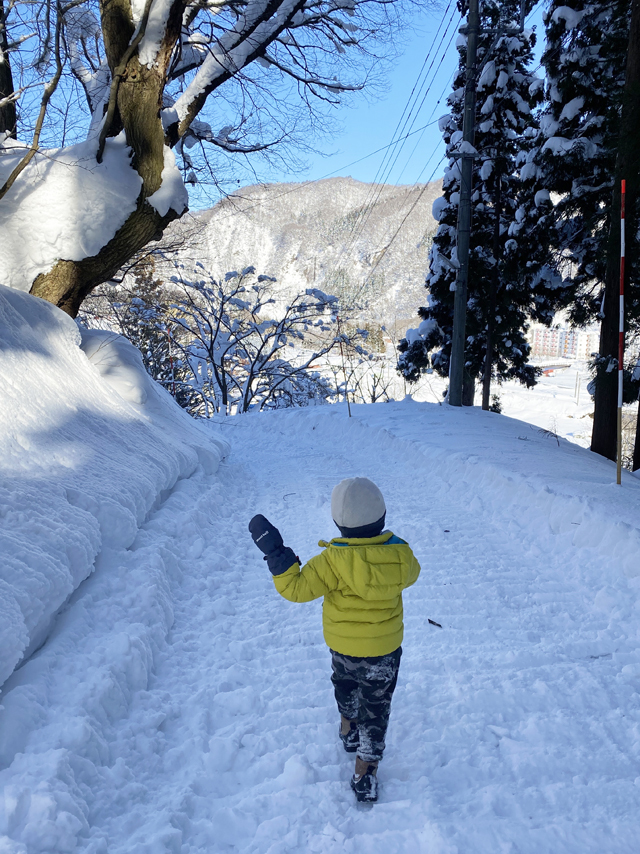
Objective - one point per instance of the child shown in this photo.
(361, 575)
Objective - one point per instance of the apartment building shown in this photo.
(563, 342)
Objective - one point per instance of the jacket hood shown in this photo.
(373, 568)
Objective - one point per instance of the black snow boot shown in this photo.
(349, 735)
(365, 782)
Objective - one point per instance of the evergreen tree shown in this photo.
(508, 279)
(584, 59)
(580, 161)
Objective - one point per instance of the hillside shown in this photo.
(330, 234)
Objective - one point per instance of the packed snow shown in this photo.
(178, 704)
(39, 218)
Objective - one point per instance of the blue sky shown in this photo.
(414, 99)
(369, 126)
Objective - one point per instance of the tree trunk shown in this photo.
(139, 100)
(631, 125)
(488, 357)
(68, 282)
(468, 388)
(603, 439)
(8, 117)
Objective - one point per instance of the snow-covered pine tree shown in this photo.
(507, 285)
(584, 59)
(581, 162)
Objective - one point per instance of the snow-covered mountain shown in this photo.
(340, 235)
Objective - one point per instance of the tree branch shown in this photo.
(49, 89)
(234, 51)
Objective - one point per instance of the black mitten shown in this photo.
(265, 535)
(267, 538)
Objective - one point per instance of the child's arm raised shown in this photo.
(315, 579)
(297, 585)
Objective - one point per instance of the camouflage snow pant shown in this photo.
(363, 689)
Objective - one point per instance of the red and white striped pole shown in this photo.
(621, 331)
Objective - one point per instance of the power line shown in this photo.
(388, 163)
(384, 172)
(304, 184)
(386, 175)
(381, 170)
(407, 215)
(370, 199)
(430, 122)
(405, 218)
(534, 10)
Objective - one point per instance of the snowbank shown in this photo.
(89, 444)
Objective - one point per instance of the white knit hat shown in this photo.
(356, 502)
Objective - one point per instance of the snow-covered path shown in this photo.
(512, 727)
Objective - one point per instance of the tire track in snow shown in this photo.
(511, 729)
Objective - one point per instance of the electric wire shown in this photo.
(381, 253)
(430, 122)
(400, 127)
(407, 113)
(297, 187)
(385, 178)
(534, 10)
(390, 160)
(384, 251)
(394, 152)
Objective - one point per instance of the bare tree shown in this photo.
(238, 349)
(165, 73)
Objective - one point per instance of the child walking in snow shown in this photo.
(361, 575)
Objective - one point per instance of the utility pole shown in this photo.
(456, 368)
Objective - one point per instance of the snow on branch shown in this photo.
(261, 22)
(298, 39)
(223, 139)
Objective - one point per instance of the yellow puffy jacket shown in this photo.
(362, 582)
